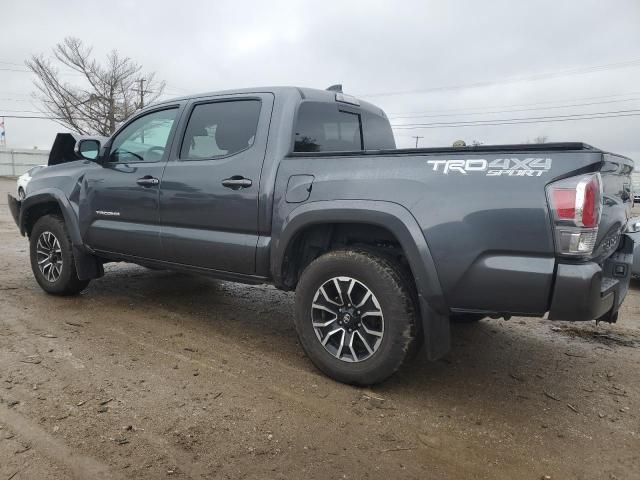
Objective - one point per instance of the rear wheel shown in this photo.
(52, 259)
(355, 316)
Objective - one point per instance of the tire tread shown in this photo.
(398, 287)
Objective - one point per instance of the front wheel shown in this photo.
(355, 316)
(52, 259)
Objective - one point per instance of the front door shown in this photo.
(209, 194)
(121, 208)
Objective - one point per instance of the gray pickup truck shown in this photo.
(305, 189)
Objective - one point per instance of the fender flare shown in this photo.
(401, 223)
(50, 195)
(87, 265)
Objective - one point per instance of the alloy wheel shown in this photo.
(49, 255)
(347, 319)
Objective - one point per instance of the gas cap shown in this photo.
(299, 188)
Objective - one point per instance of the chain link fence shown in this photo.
(15, 162)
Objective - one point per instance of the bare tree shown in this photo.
(540, 139)
(106, 94)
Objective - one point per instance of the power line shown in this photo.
(23, 111)
(178, 89)
(576, 99)
(15, 100)
(594, 116)
(23, 70)
(14, 70)
(515, 110)
(19, 94)
(32, 117)
(521, 118)
(534, 77)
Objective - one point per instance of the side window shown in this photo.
(323, 127)
(145, 139)
(377, 132)
(220, 128)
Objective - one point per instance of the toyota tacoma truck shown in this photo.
(305, 189)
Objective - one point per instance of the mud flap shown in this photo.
(87, 266)
(436, 331)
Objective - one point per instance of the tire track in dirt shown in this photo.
(303, 408)
(80, 466)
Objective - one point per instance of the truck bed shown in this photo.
(491, 237)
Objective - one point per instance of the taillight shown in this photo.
(564, 201)
(576, 205)
(589, 195)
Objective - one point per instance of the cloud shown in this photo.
(369, 47)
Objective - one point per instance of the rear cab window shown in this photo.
(334, 127)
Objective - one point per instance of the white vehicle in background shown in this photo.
(24, 179)
(635, 180)
(634, 226)
(633, 229)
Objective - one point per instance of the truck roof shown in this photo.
(318, 95)
(302, 93)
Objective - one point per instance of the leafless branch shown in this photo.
(103, 94)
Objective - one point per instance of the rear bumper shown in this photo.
(589, 291)
(14, 207)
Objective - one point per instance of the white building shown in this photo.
(16, 161)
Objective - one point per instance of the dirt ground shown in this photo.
(152, 374)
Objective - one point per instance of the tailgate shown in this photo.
(595, 256)
(617, 203)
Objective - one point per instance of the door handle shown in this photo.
(236, 182)
(148, 181)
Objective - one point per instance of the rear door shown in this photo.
(209, 193)
(121, 208)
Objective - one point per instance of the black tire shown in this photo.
(21, 194)
(67, 282)
(390, 287)
(466, 317)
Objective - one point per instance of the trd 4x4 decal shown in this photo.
(512, 167)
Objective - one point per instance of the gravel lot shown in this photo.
(152, 374)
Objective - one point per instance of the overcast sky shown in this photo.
(514, 58)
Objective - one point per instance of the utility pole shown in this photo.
(142, 80)
(417, 137)
(141, 91)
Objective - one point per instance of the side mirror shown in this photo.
(88, 148)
